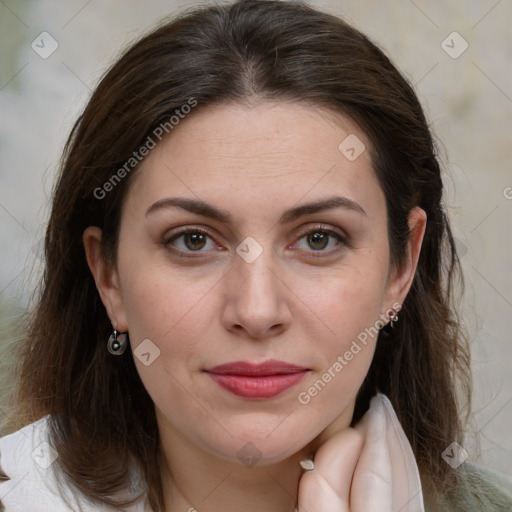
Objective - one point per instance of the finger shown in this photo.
(327, 488)
(317, 495)
(337, 458)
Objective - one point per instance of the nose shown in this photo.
(256, 299)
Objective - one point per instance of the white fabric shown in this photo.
(385, 479)
(27, 459)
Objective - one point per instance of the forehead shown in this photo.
(276, 153)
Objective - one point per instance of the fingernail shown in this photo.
(308, 465)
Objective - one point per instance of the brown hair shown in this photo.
(102, 420)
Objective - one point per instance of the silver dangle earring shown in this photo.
(393, 320)
(117, 343)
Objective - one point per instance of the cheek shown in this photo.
(350, 309)
(352, 312)
(164, 306)
(349, 302)
(172, 315)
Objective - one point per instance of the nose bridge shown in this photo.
(254, 269)
(256, 300)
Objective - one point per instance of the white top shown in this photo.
(28, 460)
(386, 476)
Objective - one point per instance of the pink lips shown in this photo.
(259, 381)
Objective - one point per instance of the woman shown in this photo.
(247, 302)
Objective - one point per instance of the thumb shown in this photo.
(327, 487)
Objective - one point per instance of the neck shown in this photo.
(195, 480)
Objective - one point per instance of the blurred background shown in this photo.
(457, 54)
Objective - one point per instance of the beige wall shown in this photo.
(468, 100)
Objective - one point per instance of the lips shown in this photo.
(257, 381)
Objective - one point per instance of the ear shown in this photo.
(401, 278)
(106, 278)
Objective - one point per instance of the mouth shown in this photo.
(257, 381)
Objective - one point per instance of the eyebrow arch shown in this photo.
(207, 210)
(318, 206)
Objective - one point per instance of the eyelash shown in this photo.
(316, 229)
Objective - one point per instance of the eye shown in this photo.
(190, 240)
(320, 240)
(196, 240)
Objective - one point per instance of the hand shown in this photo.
(327, 487)
(366, 468)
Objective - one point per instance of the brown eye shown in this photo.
(318, 240)
(190, 240)
(194, 241)
(323, 241)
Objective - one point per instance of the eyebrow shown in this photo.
(207, 210)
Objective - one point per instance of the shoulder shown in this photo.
(29, 464)
(27, 459)
(481, 490)
(489, 487)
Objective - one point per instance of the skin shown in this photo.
(299, 301)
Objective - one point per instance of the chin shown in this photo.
(251, 448)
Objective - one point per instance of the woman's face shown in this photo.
(285, 265)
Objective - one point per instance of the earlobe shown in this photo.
(403, 277)
(105, 276)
